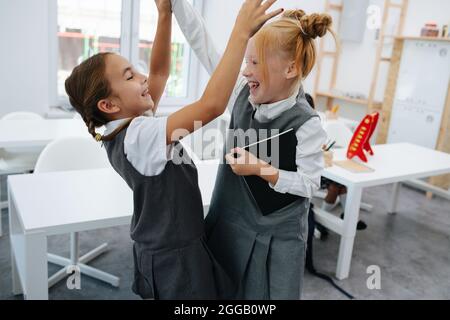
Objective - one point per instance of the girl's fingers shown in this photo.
(272, 14)
(230, 159)
(257, 2)
(253, 3)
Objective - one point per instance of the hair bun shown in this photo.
(316, 25)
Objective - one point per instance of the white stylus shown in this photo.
(270, 138)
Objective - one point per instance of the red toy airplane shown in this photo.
(361, 138)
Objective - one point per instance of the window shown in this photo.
(177, 85)
(127, 27)
(85, 28)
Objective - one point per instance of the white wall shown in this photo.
(420, 11)
(24, 56)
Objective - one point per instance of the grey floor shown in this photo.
(412, 249)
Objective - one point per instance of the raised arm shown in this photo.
(161, 52)
(214, 100)
(194, 29)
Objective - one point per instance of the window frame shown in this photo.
(129, 49)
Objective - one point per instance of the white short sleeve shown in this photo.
(145, 145)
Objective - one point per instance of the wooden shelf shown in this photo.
(369, 101)
(334, 6)
(396, 5)
(424, 38)
(365, 102)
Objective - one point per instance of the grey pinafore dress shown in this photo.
(171, 259)
(257, 234)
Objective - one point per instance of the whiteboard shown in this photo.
(421, 93)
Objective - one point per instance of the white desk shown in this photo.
(64, 202)
(22, 136)
(393, 163)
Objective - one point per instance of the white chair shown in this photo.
(14, 161)
(22, 115)
(66, 154)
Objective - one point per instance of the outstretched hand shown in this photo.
(328, 157)
(252, 15)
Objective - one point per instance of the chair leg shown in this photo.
(57, 277)
(74, 248)
(81, 262)
(58, 260)
(3, 204)
(99, 274)
(94, 253)
(91, 255)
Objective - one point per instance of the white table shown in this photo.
(23, 136)
(393, 163)
(62, 202)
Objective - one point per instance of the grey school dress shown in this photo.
(171, 259)
(257, 234)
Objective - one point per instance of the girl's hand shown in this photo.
(246, 164)
(331, 115)
(252, 16)
(328, 157)
(164, 6)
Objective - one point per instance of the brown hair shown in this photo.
(294, 35)
(86, 86)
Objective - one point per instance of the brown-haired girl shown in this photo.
(257, 222)
(170, 256)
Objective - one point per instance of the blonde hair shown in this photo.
(293, 34)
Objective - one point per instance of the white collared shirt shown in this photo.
(310, 136)
(145, 143)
